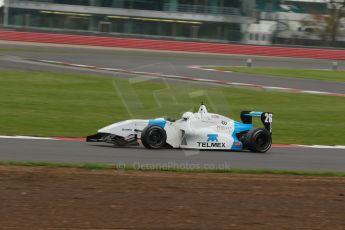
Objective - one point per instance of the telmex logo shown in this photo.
(211, 145)
(212, 137)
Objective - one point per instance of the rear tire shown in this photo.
(258, 140)
(154, 137)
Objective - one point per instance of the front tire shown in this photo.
(154, 137)
(258, 140)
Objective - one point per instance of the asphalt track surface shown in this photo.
(311, 159)
(81, 152)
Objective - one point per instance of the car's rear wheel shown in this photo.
(153, 137)
(258, 140)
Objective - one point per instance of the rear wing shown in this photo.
(266, 118)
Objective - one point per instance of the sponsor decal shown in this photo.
(127, 130)
(212, 137)
(237, 143)
(211, 145)
(212, 142)
(223, 128)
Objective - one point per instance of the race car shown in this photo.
(201, 130)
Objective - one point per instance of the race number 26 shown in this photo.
(268, 117)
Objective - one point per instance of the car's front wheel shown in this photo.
(258, 140)
(153, 137)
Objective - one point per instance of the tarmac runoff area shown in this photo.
(16, 55)
(319, 158)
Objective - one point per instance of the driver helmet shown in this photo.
(187, 115)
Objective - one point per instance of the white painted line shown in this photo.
(139, 72)
(109, 69)
(26, 138)
(276, 88)
(83, 66)
(323, 146)
(239, 84)
(314, 92)
(52, 62)
(202, 79)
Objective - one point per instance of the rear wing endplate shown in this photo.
(266, 118)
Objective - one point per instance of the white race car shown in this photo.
(201, 130)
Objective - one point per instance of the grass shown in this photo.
(324, 75)
(57, 104)
(95, 166)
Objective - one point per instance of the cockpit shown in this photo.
(202, 113)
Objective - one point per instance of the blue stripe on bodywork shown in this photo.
(253, 114)
(159, 122)
(239, 127)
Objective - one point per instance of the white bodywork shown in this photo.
(201, 130)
